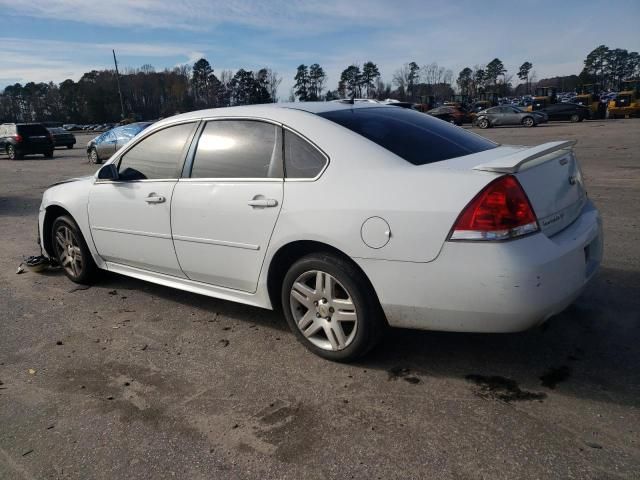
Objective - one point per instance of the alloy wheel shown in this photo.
(323, 310)
(528, 122)
(68, 250)
(93, 156)
(11, 151)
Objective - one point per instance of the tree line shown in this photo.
(150, 94)
(147, 94)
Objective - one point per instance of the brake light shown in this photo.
(499, 212)
(18, 138)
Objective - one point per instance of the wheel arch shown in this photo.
(52, 212)
(289, 253)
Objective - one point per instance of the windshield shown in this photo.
(418, 138)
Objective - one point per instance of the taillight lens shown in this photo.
(499, 212)
(18, 138)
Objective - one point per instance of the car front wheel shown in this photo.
(71, 251)
(331, 308)
(93, 156)
(575, 118)
(528, 122)
(483, 123)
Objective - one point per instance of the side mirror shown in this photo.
(108, 172)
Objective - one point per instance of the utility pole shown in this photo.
(118, 80)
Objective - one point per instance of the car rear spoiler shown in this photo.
(515, 162)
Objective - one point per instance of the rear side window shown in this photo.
(32, 130)
(301, 159)
(238, 149)
(158, 156)
(418, 138)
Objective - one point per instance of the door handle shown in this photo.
(155, 199)
(263, 202)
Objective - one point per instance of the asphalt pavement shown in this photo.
(127, 379)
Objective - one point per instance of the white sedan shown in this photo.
(351, 218)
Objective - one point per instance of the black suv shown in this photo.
(19, 139)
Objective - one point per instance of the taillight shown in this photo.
(499, 212)
(18, 138)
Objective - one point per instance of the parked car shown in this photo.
(105, 145)
(62, 138)
(567, 111)
(257, 205)
(451, 114)
(509, 115)
(20, 139)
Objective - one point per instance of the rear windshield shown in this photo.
(32, 130)
(414, 136)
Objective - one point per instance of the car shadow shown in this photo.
(588, 351)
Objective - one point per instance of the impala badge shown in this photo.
(573, 179)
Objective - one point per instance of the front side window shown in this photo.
(301, 159)
(158, 156)
(238, 149)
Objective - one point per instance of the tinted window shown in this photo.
(158, 156)
(414, 136)
(238, 149)
(493, 110)
(32, 130)
(301, 159)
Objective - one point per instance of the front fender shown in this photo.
(71, 197)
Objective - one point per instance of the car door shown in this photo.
(106, 145)
(510, 116)
(495, 116)
(225, 209)
(130, 217)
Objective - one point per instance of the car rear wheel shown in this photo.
(71, 251)
(331, 308)
(48, 154)
(575, 118)
(528, 122)
(93, 156)
(483, 123)
(13, 153)
(69, 147)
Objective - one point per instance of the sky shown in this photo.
(52, 40)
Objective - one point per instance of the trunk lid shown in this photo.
(551, 177)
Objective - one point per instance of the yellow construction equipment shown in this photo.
(627, 102)
(543, 96)
(588, 96)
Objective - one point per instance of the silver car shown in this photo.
(509, 115)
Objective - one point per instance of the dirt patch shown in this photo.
(500, 388)
(555, 375)
(404, 373)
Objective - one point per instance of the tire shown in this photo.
(311, 308)
(71, 251)
(69, 147)
(483, 123)
(575, 118)
(13, 153)
(93, 157)
(528, 122)
(48, 154)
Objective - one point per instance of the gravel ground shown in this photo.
(131, 380)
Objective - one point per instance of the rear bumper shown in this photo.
(491, 287)
(30, 149)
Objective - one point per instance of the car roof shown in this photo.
(264, 108)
